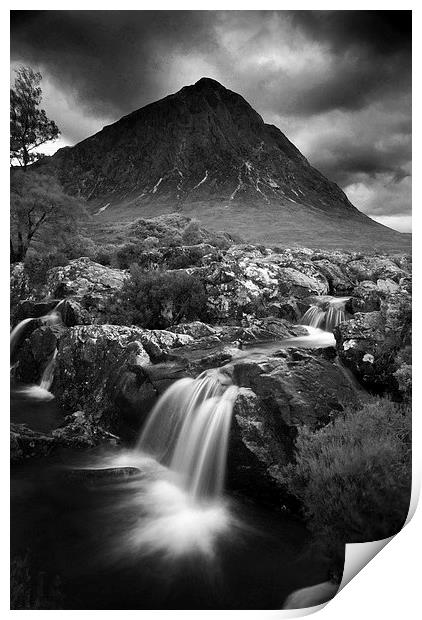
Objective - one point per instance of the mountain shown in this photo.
(205, 152)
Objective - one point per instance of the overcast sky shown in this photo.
(338, 84)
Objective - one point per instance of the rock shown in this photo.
(26, 443)
(196, 329)
(366, 298)
(103, 369)
(202, 354)
(339, 283)
(279, 394)
(73, 313)
(88, 283)
(36, 352)
(28, 309)
(80, 432)
(256, 449)
(250, 280)
(374, 268)
(298, 386)
(369, 343)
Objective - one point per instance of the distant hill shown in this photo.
(206, 153)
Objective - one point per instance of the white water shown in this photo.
(326, 314)
(42, 390)
(51, 318)
(17, 333)
(188, 430)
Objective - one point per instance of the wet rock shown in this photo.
(339, 282)
(28, 309)
(279, 394)
(102, 369)
(79, 432)
(26, 443)
(297, 386)
(73, 313)
(369, 343)
(36, 352)
(256, 450)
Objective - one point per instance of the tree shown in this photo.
(40, 211)
(29, 125)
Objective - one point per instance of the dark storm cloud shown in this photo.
(338, 83)
(110, 59)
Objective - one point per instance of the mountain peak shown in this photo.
(209, 83)
(206, 151)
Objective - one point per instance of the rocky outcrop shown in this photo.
(37, 351)
(79, 432)
(279, 394)
(374, 344)
(103, 369)
(251, 281)
(89, 284)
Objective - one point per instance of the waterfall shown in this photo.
(17, 333)
(48, 374)
(51, 318)
(188, 430)
(326, 313)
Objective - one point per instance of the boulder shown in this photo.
(279, 394)
(339, 283)
(103, 369)
(30, 309)
(369, 343)
(250, 280)
(297, 386)
(36, 352)
(88, 283)
(374, 268)
(79, 432)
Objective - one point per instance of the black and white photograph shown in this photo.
(210, 303)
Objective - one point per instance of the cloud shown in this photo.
(338, 83)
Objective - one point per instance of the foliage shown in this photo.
(353, 477)
(157, 299)
(191, 234)
(40, 212)
(29, 125)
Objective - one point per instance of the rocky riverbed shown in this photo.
(114, 373)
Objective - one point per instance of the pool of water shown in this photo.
(136, 542)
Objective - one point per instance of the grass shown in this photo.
(290, 225)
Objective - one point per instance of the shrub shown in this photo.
(157, 299)
(37, 266)
(192, 234)
(353, 477)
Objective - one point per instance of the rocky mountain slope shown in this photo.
(205, 152)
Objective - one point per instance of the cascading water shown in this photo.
(51, 318)
(326, 314)
(188, 430)
(42, 391)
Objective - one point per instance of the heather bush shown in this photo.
(157, 299)
(191, 235)
(353, 476)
